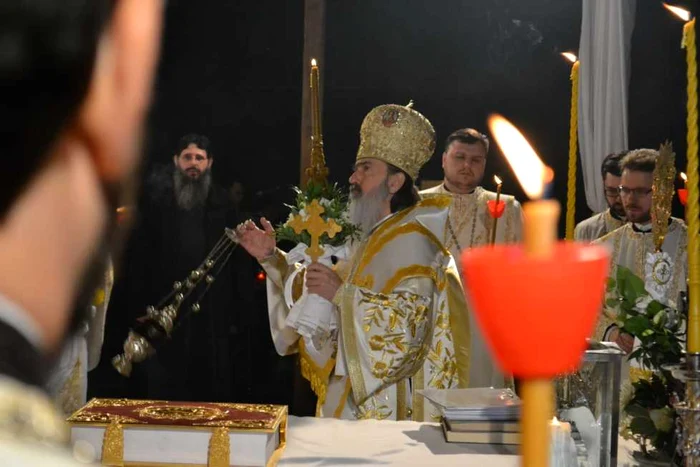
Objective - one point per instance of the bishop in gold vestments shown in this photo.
(399, 302)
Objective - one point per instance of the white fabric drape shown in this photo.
(604, 52)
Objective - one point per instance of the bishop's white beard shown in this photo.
(365, 210)
(191, 192)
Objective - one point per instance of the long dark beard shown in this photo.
(366, 209)
(191, 192)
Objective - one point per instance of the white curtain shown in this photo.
(604, 52)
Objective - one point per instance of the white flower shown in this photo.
(303, 214)
(324, 202)
(642, 303)
(662, 418)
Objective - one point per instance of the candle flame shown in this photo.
(524, 161)
(497, 180)
(121, 209)
(684, 176)
(680, 12)
(313, 62)
(570, 56)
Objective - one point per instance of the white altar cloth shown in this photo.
(333, 442)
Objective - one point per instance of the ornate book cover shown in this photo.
(149, 432)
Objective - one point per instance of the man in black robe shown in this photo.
(181, 216)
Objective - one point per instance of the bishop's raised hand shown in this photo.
(259, 243)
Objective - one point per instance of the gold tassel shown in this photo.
(219, 448)
(113, 445)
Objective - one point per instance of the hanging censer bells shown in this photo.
(156, 327)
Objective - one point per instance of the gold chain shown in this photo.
(454, 233)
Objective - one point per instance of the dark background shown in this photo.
(233, 71)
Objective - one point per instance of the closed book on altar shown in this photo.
(512, 426)
(152, 433)
(479, 437)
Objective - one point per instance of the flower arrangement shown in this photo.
(650, 416)
(335, 208)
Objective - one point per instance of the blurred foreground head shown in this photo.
(75, 82)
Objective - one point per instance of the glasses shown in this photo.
(637, 192)
(612, 192)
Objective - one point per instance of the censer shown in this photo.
(156, 327)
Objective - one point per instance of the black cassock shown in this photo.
(197, 363)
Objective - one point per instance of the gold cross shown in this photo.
(315, 226)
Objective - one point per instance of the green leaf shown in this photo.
(633, 287)
(636, 325)
(643, 426)
(636, 410)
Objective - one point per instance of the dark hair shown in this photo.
(201, 141)
(640, 160)
(49, 51)
(611, 164)
(468, 136)
(407, 196)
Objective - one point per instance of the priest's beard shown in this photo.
(191, 192)
(365, 209)
(617, 209)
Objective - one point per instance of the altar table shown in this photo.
(332, 442)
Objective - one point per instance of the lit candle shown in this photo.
(315, 106)
(495, 215)
(539, 240)
(573, 149)
(693, 203)
(683, 192)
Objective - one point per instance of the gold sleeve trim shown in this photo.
(401, 406)
(413, 271)
(343, 399)
(375, 247)
(352, 356)
(459, 326)
(418, 401)
(316, 376)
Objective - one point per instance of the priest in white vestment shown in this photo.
(470, 225)
(399, 306)
(67, 382)
(612, 218)
(632, 244)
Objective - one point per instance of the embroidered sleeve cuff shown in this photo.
(276, 267)
(338, 297)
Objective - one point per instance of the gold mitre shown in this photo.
(397, 135)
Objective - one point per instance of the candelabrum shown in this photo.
(688, 410)
(154, 328)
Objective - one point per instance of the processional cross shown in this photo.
(316, 227)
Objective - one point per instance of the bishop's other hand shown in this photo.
(260, 243)
(322, 280)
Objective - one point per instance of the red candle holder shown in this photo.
(683, 195)
(496, 209)
(539, 328)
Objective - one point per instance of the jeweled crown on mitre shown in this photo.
(397, 135)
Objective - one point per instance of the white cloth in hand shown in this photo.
(314, 317)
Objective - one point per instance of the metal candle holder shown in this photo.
(152, 330)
